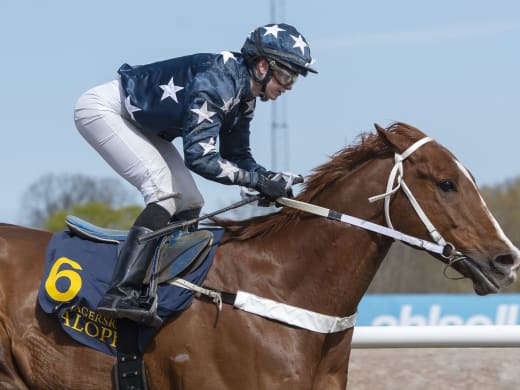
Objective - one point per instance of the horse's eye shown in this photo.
(447, 186)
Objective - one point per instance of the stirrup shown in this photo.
(152, 319)
(148, 317)
(136, 313)
(143, 317)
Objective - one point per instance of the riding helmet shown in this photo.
(281, 43)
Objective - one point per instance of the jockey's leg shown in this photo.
(150, 163)
(122, 298)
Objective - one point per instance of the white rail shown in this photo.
(436, 336)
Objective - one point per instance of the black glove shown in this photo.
(279, 178)
(270, 188)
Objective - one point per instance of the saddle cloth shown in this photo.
(77, 274)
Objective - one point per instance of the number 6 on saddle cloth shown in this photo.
(79, 263)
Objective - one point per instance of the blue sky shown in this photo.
(450, 68)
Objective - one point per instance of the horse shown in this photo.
(289, 256)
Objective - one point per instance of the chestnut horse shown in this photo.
(292, 257)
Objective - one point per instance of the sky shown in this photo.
(447, 67)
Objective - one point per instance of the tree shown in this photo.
(97, 213)
(52, 193)
(504, 202)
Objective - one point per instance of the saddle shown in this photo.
(178, 254)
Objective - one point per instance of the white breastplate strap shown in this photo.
(268, 308)
(292, 315)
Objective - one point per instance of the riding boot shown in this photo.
(122, 300)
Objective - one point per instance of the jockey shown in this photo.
(202, 98)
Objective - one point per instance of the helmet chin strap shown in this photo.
(262, 94)
(263, 81)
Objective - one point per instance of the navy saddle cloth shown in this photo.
(78, 272)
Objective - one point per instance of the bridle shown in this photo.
(397, 175)
(440, 246)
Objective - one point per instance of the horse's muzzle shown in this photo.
(490, 275)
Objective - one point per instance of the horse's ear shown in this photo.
(380, 130)
(395, 140)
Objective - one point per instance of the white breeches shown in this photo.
(150, 163)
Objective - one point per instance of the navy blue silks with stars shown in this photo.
(204, 98)
(201, 98)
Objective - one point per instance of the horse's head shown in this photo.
(451, 201)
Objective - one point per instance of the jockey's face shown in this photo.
(274, 88)
(283, 75)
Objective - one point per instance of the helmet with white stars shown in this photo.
(281, 43)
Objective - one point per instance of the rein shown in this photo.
(364, 224)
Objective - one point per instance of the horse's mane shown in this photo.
(366, 147)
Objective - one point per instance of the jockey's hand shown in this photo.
(272, 189)
(279, 177)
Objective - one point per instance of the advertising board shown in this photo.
(438, 310)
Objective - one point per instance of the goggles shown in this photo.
(283, 76)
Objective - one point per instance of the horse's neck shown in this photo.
(316, 263)
(341, 260)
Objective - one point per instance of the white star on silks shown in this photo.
(308, 64)
(208, 147)
(228, 170)
(299, 42)
(273, 30)
(227, 55)
(170, 91)
(203, 113)
(227, 105)
(130, 108)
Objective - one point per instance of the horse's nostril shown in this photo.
(507, 260)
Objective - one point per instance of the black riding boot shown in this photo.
(122, 298)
